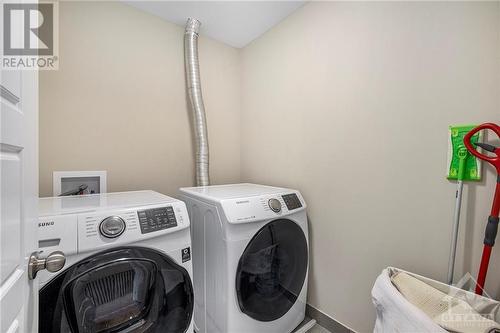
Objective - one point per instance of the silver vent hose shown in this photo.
(196, 99)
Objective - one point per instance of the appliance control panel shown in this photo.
(156, 219)
(292, 201)
(98, 230)
(258, 208)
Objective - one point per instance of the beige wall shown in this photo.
(350, 103)
(118, 102)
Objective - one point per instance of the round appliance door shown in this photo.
(126, 289)
(272, 270)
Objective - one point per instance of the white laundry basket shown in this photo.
(396, 314)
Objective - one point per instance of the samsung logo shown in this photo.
(45, 224)
(242, 202)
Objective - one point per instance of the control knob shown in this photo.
(112, 227)
(275, 205)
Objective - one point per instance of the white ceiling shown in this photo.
(236, 23)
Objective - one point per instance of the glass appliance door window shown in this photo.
(272, 270)
(129, 289)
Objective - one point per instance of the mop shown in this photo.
(493, 219)
(462, 166)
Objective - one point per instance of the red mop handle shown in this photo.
(489, 240)
(493, 219)
(493, 160)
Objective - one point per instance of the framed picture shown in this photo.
(78, 182)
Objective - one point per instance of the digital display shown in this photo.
(156, 219)
(292, 201)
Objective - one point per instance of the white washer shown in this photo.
(128, 264)
(250, 258)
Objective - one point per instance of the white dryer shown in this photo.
(250, 258)
(128, 264)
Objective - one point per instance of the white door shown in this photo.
(18, 196)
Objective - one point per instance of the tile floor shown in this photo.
(315, 329)
(318, 329)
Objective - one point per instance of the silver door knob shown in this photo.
(53, 263)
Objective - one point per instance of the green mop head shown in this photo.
(461, 164)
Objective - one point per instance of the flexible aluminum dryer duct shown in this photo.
(196, 99)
